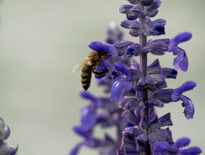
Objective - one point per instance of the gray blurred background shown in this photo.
(41, 41)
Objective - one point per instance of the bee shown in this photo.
(89, 66)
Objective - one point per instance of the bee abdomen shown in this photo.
(86, 76)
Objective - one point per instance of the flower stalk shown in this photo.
(143, 68)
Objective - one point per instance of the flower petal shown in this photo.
(118, 89)
(158, 30)
(99, 46)
(161, 146)
(163, 95)
(158, 27)
(182, 142)
(166, 120)
(134, 131)
(76, 149)
(180, 38)
(157, 47)
(119, 66)
(189, 107)
(80, 130)
(88, 117)
(135, 25)
(187, 86)
(169, 73)
(134, 32)
(126, 23)
(121, 47)
(125, 8)
(154, 102)
(154, 6)
(190, 151)
(7, 149)
(181, 60)
(4, 130)
(154, 68)
(87, 95)
(132, 50)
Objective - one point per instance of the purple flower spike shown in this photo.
(190, 151)
(137, 88)
(118, 90)
(189, 107)
(182, 142)
(99, 46)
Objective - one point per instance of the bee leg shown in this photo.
(100, 72)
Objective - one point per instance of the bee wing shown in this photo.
(80, 65)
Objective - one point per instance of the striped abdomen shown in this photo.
(86, 76)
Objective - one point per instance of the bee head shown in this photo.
(102, 53)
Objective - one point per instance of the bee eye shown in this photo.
(102, 53)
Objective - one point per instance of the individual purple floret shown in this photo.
(5, 148)
(181, 60)
(137, 89)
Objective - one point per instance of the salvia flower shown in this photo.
(137, 89)
(5, 148)
(187, 103)
(181, 60)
